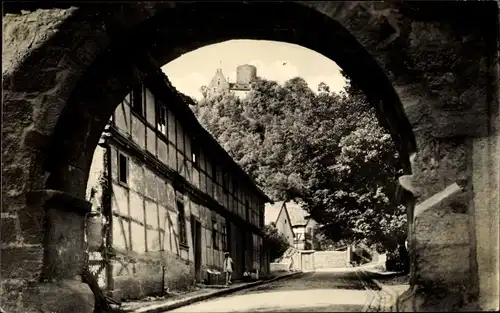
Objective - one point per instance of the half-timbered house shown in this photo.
(172, 199)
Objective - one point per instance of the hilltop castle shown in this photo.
(245, 75)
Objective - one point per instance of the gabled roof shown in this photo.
(298, 216)
(271, 212)
(218, 79)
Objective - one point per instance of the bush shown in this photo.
(398, 260)
(275, 242)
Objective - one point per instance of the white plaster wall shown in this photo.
(283, 226)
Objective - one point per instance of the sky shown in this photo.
(274, 60)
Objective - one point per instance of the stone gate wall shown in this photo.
(426, 66)
(330, 259)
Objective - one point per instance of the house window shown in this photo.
(224, 238)
(215, 242)
(214, 172)
(122, 168)
(247, 210)
(195, 152)
(225, 180)
(162, 118)
(181, 220)
(194, 158)
(137, 105)
(235, 186)
(214, 178)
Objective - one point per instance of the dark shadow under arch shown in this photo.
(183, 28)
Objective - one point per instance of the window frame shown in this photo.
(161, 112)
(247, 210)
(214, 172)
(215, 239)
(119, 172)
(195, 152)
(224, 240)
(181, 222)
(225, 180)
(138, 92)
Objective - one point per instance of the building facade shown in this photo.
(245, 75)
(304, 235)
(172, 199)
(293, 222)
(277, 213)
(302, 226)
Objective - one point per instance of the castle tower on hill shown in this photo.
(245, 75)
(218, 83)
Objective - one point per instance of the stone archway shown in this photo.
(424, 72)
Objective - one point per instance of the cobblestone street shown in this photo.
(340, 291)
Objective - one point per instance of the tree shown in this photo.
(324, 150)
(204, 91)
(353, 195)
(323, 88)
(274, 241)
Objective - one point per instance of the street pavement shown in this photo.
(322, 291)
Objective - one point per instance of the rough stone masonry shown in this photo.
(430, 69)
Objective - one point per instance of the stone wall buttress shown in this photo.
(61, 288)
(446, 119)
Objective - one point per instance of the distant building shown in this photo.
(174, 198)
(292, 216)
(218, 84)
(245, 75)
(278, 214)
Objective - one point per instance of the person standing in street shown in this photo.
(228, 267)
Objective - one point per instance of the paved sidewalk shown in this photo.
(384, 296)
(144, 306)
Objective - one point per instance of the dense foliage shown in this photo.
(324, 150)
(274, 241)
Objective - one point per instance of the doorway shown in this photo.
(249, 250)
(196, 235)
(242, 251)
